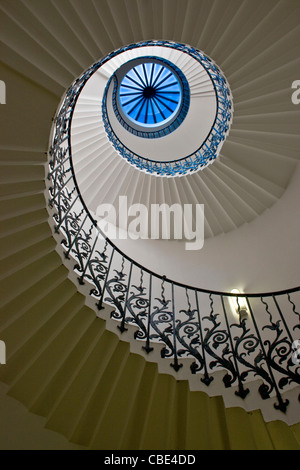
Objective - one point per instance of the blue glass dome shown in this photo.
(150, 97)
(150, 94)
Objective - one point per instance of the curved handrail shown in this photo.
(189, 322)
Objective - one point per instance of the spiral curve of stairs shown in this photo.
(62, 362)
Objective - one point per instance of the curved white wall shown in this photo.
(261, 256)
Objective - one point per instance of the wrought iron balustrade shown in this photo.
(187, 321)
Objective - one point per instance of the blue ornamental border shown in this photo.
(208, 151)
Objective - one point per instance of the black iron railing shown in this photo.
(257, 341)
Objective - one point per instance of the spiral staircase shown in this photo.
(84, 382)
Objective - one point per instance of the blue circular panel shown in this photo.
(150, 94)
